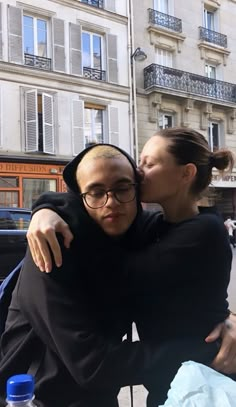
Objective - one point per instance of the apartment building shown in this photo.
(189, 76)
(64, 82)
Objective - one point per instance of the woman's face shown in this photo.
(163, 178)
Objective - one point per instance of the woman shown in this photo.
(174, 279)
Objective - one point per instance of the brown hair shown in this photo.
(190, 146)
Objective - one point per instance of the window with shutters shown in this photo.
(161, 5)
(93, 124)
(93, 56)
(214, 139)
(39, 122)
(165, 121)
(209, 19)
(164, 57)
(210, 71)
(35, 41)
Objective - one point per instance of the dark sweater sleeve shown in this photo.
(65, 204)
(181, 281)
(61, 321)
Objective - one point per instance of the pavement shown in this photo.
(138, 391)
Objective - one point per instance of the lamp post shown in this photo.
(138, 55)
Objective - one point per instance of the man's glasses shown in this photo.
(97, 198)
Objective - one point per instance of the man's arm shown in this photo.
(60, 318)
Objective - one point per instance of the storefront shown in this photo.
(225, 194)
(21, 183)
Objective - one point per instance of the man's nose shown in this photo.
(111, 199)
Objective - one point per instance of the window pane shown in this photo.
(9, 198)
(21, 220)
(215, 136)
(42, 37)
(97, 63)
(8, 182)
(98, 126)
(86, 50)
(93, 128)
(32, 188)
(28, 35)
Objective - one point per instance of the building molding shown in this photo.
(106, 14)
(231, 120)
(35, 10)
(163, 38)
(154, 105)
(214, 54)
(187, 107)
(25, 75)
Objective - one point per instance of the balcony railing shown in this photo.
(38, 62)
(92, 73)
(165, 77)
(213, 37)
(158, 18)
(94, 3)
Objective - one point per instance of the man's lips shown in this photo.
(112, 216)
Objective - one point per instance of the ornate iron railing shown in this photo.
(158, 18)
(92, 73)
(213, 37)
(38, 62)
(165, 77)
(94, 3)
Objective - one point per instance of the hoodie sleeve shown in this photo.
(61, 320)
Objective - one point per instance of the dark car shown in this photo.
(14, 223)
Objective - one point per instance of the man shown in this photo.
(68, 326)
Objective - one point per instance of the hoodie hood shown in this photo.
(69, 173)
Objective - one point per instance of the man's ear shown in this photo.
(189, 172)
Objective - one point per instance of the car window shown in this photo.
(4, 222)
(21, 219)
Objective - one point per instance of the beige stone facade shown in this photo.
(189, 77)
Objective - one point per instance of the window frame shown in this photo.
(93, 108)
(91, 34)
(35, 32)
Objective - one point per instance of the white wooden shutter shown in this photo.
(48, 124)
(112, 58)
(114, 125)
(75, 49)
(0, 30)
(110, 5)
(31, 120)
(59, 59)
(15, 35)
(77, 126)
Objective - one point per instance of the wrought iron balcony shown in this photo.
(213, 37)
(94, 3)
(165, 77)
(158, 18)
(38, 62)
(92, 73)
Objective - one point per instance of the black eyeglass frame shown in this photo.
(134, 184)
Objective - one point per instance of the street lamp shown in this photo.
(138, 55)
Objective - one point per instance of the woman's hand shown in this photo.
(225, 360)
(41, 234)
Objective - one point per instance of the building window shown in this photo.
(209, 19)
(214, 136)
(210, 71)
(161, 5)
(164, 57)
(93, 124)
(92, 56)
(165, 121)
(39, 122)
(34, 187)
(35, 36)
